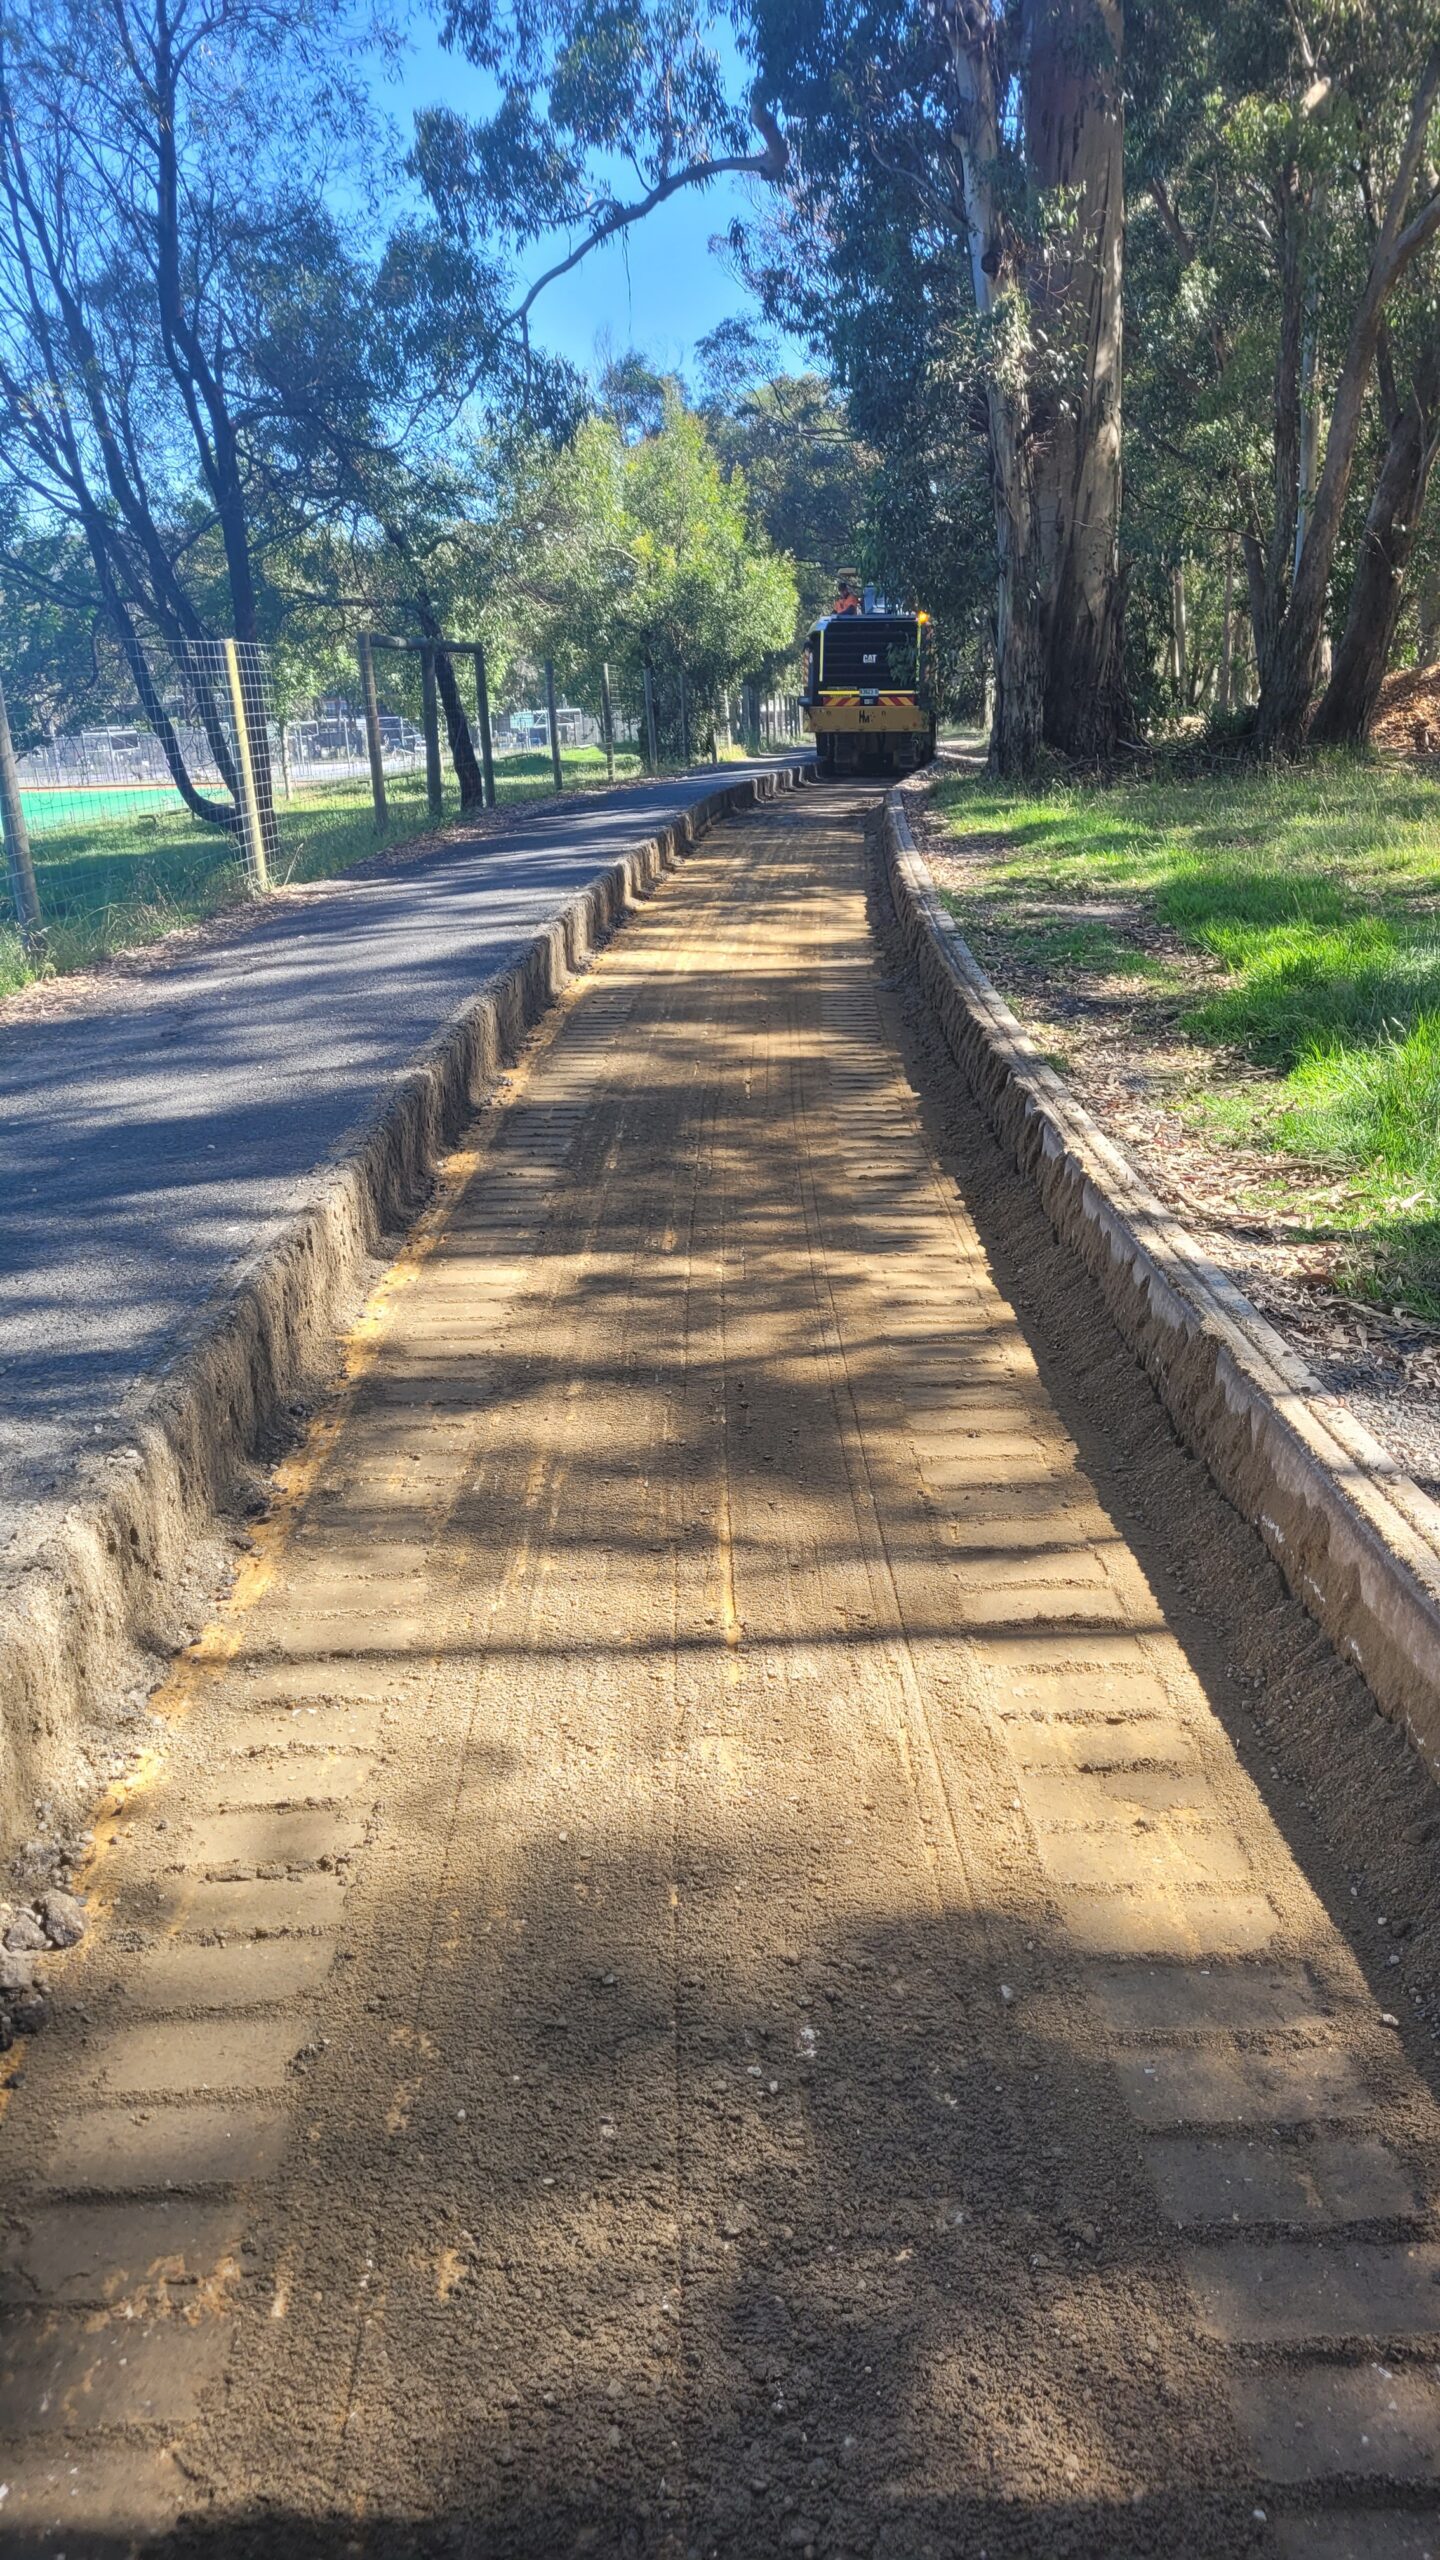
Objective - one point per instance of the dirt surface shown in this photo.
(1408, 719)
(1116, 1038)
(756, 1930)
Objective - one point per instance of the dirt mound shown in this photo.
(1408, 720)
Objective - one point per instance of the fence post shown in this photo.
(607, 721)
(684, 719)
(250, 825)
(430, 714)
(371, 708)
(482, 714)
(17, 842)
(652, 739)
(556, 766)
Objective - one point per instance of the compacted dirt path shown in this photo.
(695, 1971)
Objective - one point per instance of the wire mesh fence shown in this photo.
(129, 827)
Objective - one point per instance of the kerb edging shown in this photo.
(1356, 1539)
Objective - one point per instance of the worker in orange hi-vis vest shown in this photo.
(847, 601)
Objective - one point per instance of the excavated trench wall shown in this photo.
(103, 1581)
(1357, 1540)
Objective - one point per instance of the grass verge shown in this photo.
(1284, 927)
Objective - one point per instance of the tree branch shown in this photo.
(770, 164)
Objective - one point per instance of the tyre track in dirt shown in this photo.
(707, 1967)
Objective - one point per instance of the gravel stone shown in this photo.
(64, 1919)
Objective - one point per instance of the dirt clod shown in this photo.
(62, 1918)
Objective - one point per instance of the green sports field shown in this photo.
(71, 804)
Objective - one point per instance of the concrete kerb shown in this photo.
(104, 1579)
(1357, 1540)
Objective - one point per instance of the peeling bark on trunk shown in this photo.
(1053, 394)
(1075, 126)
(1018, 730)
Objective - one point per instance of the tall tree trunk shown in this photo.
(1308, 461)
(1179, 654)
(1223, 681)
(1016, 733)
(1054, 410)
(457, 726)
(1347, 706)
(1269, 554)
(1019, 659)
(1075, 131)
(1287, 683)
(1429, 609)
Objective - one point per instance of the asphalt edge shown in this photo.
(1356, 1539)
(98, 1591)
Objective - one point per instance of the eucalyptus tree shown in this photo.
(1285, 163)
(962, 165)
(1408, 398)
(644, 86)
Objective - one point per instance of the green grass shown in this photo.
(112, 876)
(1313, 894)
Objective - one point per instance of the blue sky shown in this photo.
(658, 287)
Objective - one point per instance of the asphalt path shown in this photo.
(155, 1137)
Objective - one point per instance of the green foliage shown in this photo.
(1376, 1106)
(810, 480)
(1253, 185)
(866, 259)
(647, 552)
(579, 87)
(1299, 987)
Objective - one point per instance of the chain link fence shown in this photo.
(116, 832)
